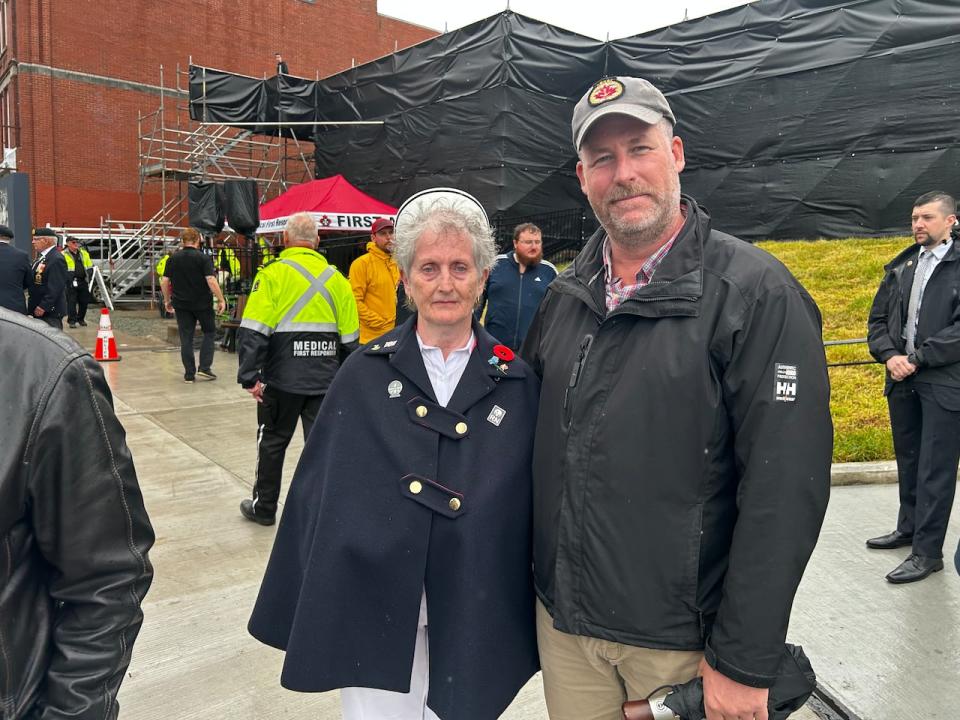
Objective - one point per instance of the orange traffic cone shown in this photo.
(106, 346)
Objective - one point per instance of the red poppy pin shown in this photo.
(501, 356)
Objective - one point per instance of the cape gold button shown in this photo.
(421, 410)
(461, 428)
(416, 487)
(454, 504)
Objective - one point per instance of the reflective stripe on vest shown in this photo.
(317, 287)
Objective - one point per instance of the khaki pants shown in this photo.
(589, 679)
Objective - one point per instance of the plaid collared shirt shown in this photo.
(616, 291)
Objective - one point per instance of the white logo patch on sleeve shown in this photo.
(785, 383)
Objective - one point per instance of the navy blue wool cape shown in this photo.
(395, 494)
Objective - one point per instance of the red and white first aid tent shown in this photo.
(334, 203)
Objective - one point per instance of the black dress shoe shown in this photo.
(890, 541)
(248, 511)
(915, 567)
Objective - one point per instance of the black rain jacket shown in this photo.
(682, 457)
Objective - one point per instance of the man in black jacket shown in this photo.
(47, 293)
(73, 528)
(682, 458)
(14, 273)
(914, 329)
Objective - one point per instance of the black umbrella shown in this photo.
(795, 683)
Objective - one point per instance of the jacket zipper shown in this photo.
(577, 368)
(516, 330)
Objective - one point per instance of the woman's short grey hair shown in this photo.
(301, 227)
(443, 211)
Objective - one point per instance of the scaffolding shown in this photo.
(173, 151)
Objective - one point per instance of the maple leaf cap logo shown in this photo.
(604, 91)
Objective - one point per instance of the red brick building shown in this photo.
(75, 73)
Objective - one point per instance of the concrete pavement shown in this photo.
(885, 651)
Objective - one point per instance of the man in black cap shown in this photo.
(78, 289)
(47, 299)
(682, 461)
(14, 273)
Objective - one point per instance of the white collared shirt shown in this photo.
(445, 374)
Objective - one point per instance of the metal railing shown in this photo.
(850, 363)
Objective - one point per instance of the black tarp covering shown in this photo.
(800, 118)
(481, 108)
(242, 206)
(218, 96)
(808, 119)
(205, 206)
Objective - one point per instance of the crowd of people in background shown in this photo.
(508, 457)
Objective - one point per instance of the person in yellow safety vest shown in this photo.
(227, 264)
(160, 267)
(162, 264)
(374, 277)
(299, 324)
(78, 286)
(266, 252)
(228, 261)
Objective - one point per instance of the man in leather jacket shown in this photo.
(74, 533)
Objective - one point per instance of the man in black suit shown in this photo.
(281, 64)
(914, 329)
(47, 298)
(14, 273)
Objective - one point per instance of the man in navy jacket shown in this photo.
(516, 286)
(14, 273)
(48, 289)
(914, 330)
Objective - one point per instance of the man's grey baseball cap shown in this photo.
(619, 96)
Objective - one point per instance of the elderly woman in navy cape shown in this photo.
(401, 571)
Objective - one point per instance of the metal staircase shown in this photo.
(134, 248)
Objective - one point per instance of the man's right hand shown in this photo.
(257, 391)
(900, 368)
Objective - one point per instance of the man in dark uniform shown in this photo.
(78, 289)
(914, 329)
(14, 273)
(47, 292)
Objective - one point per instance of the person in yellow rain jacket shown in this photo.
(374, 278)
(299, 324)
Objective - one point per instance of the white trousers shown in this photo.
(371, 704)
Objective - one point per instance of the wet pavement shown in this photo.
(887, 652)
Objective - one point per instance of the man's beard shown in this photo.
(530, 258)
(928, 240)
(651, 226)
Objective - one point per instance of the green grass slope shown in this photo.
(842, 276)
